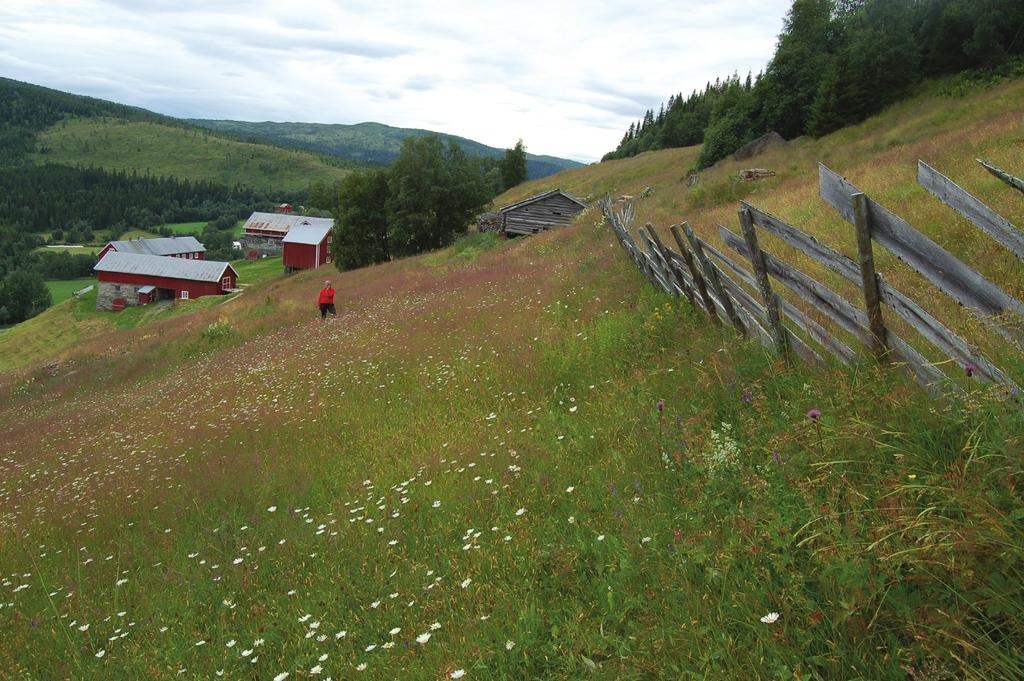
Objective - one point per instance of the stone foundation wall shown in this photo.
(262, 245)
(107, 292)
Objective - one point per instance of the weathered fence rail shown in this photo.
(745, 298)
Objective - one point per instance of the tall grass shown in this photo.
(517, 462)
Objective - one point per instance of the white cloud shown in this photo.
(567, 78)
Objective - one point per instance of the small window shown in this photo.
(225, 283)
(184, 295)
(117, 288)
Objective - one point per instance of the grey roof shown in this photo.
(540, 197)
(171, 245)
(279, 222)
(307, 234)
(159, 266)
(148, 288)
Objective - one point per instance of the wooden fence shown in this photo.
(717, 284)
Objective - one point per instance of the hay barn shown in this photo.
(538, 213)
(131, 279)
(187, 247)
(307, 247)
(263, 233)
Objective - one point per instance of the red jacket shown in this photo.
(326, 296)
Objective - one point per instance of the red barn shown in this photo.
(187, 247)
(307, 247)
(262, 233)
(131, 279)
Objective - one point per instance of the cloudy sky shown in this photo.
(567, 77)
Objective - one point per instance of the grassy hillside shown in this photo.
(181, 152)
(880, 157)
(72, 322)
(515, 460)
(367, 142)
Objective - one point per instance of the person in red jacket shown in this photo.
(326, 301)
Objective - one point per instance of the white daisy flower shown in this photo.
(458, 673)
(771, 618)
(422, 638)
(509, 645)
(101, 653)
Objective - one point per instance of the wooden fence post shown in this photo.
(698, 280)
(771, 302)
(658, 268)
(672, 265)
(1006, 177)
(712, 277)
(867, 274)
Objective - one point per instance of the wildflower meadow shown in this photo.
(506, 460)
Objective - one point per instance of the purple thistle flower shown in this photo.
(970, 368)
(747, 397)
(660, 404)
(814, 414)
(776, 457)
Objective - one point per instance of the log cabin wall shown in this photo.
(531, 217)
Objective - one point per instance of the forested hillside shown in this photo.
(185, 152)
(26, 110)
(373, 143)
(836, 63)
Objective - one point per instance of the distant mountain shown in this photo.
(39, 125)
(373, 143)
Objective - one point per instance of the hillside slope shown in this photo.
(167, 150)
(508, 460)
(368, 142)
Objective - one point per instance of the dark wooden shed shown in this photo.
(538, 213)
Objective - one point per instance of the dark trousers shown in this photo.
(325, 308)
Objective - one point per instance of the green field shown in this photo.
(181, 152)
(90, 249)
(255, 271)
(197, 227)
(62, 289)
(517, 460)
(186, 227)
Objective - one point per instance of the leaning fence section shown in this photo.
(741, 292)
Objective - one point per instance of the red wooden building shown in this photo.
(187, 247)
(307, 247)
(131, 279)
(263, 233)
